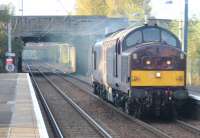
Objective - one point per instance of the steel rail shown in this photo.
(69, 75)
(188, 127)
(50, 116)
(76, 78)
(100, 129)
(182, 124)
(137, 121)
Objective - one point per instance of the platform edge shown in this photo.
(40, 121)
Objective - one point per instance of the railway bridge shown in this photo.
(80, 31)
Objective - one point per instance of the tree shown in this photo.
(116, 8)
(194, 38)
(4, 13)
(193, 55)
(4, 17)
(91, 7)
(174, 27)
(194, 50)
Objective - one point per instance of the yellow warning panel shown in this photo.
(157, 78)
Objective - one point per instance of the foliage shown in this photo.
(89, 7)
(193, 36)
(194, 50)
(116, 8)
(4, 13)
(174, 27)
(17, 46)
(2, 49)
(194, 39)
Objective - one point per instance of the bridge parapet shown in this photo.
(71, 25)
(80, 31)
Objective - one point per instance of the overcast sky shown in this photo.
(62, 7)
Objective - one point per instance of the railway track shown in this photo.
(70, 120)
(160, 129)
(51, 119)
(177, 128)
(117, 124)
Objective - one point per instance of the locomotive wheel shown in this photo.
(126, 108)
(169, 112)
(115, 102)
(137, 112)
(103, 93)
(95, 90)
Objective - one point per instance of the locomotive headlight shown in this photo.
(135, 78)
(158, 75)
(148, 62)
(181, 56)
(135, 56)
(168, 62)
(180, 78)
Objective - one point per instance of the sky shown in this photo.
(175, 10)
(42, 7)
(160, 9)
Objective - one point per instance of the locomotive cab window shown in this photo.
(151, 34)
(168, 38)
(134, 39)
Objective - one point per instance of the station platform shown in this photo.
(20, 114)
(194, 92)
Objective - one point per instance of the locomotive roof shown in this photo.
(123, 32)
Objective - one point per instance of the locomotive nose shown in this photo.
(158, 57)
(158, 66)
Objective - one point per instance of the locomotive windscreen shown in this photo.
(150, 34)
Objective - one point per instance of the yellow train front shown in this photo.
(158, 79)
(142, 70)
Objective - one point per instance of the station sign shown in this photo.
(9, 61)
(9, 54)
(10, 67)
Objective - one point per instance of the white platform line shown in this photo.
(194, 97)
(40, 121)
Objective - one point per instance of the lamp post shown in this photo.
(185, 26)
(22, 13)
(9, 37)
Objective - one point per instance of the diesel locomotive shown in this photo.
(141, 70)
